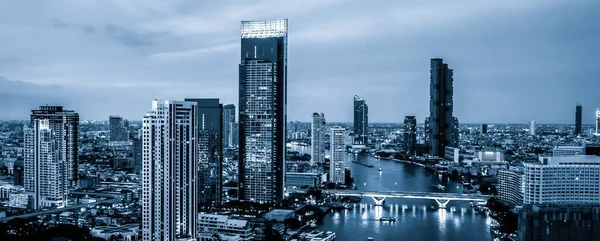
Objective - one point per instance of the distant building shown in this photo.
(210, 141)
(489, 156)
(229, 125)
(532, 128)
(227, 228)
(559, 222)
(338, 152)
(18, 173)
(262, 111)
(410, 135)
(137, 154)
(318, 138)
(578, 113)
(129, 232)
(568, 151)
(511, 187)
(452, 154)
(597, 122)
(560, 180)
(118, 132)
(484, 128)
(300, 179)
(361, 121)
(442, 124)
(169, 182)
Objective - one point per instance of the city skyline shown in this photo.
(167, 54)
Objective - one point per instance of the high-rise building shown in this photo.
(597, 122)
(455, 132)
(19, 173)
(532, 128)
(50, 155)
(229, 125)
(169, 171)
(318, 138)
(484, 128)
(338, 152)
(558, 222)
(410, 134)
(210, 140)
(442, 124)
(137, 153)
(118, 131)
(361, 121)
(578, 113)
(45, 166)
(511, 186)
(563, 180)
(262, 111)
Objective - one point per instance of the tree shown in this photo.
(292, 223)
(348, 177)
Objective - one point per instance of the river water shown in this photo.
(416, 219)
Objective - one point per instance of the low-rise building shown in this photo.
(568, 151)
(300, 179)
(129, 232)
(225, 227)
(279, 215)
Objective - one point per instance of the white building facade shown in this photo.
(568, 151)
(563, 180)
(511, 186)
(318, 138)
(169, 171)
(225, 227)
(338, 152)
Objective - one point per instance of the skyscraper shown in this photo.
(578, 113)
(597, 122)
(532, 128)
(19, 173)
(137, 153)
(338, 151)
(44, 166)
(169, 174)
(442, 124)
(118, 131)
(361, 121)
(64, 124)
(228, 125)
(455, 132)
(262, 110)
(210, 140)
(410, 134)
(484, 128)
(318, 138)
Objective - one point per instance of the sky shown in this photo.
(513, 60)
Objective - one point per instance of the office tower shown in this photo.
(568, 151)
(318, 138)
(597, 122)
(18, 173)
(563, 180)
(410, 135)
(262, 111)
(338, 151)
(137, 154)
(484, 128)
(118, 132)
(427, 131)
(169, 174)
(558, 222)
(228, 125)
(65, 126)
(361, 121)
(455, 132)
(442, 123)
(511, 186)
(210, 141)
(578, 113)
(532, 128)
(45, 166)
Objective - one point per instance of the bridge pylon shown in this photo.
(442, 202)
(378, 200)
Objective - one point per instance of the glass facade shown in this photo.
(410, 135)
(318, 138)
(361, 121)
(262, 110)
(442, 125)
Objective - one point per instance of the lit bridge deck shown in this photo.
(442, 199)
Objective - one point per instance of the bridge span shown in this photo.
(442, 199)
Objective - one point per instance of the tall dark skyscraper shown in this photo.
(442, 123)
(210, 141)
(484, 128)
(578, 113)
(262, 110)
(361, 121)
(410, 135)
(229, 124)
(137, 153)
(117, 130)
(19, 173)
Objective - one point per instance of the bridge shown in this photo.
(442, 199)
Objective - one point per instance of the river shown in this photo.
(415, 219)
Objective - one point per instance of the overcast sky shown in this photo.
(513, 60)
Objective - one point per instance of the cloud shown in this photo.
(191, 53)
(130, 37)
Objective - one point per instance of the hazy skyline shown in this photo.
(513, 61)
